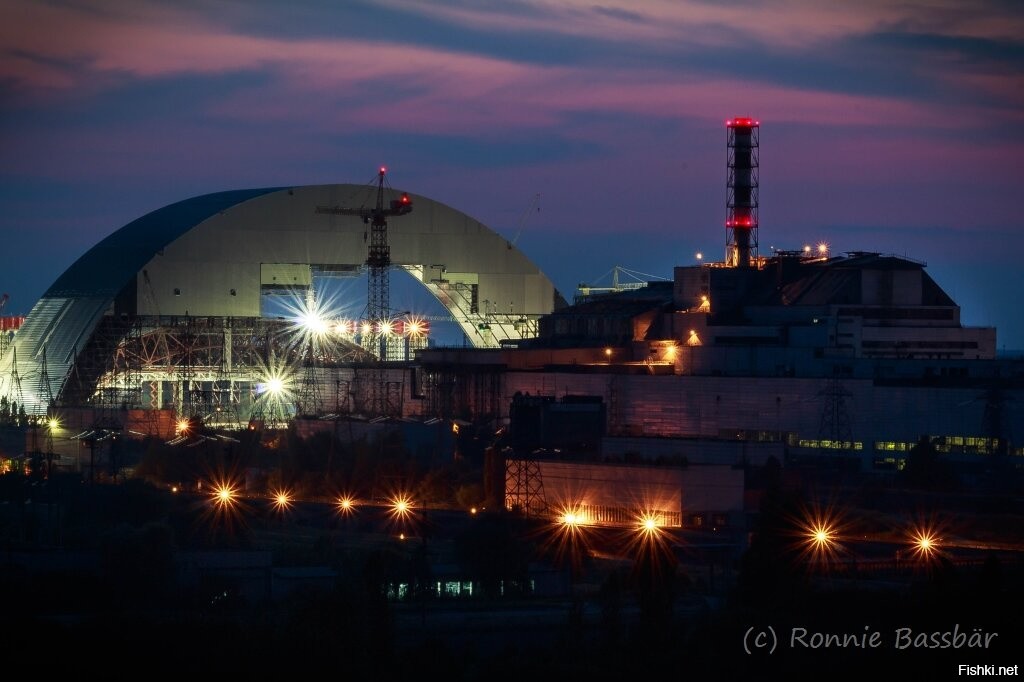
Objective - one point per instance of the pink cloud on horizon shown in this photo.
(787, 25)
(336, 86)
(450, 91)
(468, 101)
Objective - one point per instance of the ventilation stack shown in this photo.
(741, 192)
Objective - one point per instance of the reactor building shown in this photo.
(805, 355)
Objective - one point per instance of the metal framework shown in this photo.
(524, 487)
(741, 191)
(309, 401)
(460, 392)
(209, 368)
(378, 300)
(106, 371)
(14, 388)
(835, 419)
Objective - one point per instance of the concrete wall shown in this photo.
(620, 494)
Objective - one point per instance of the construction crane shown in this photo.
(583, 290)
(535, 204)
(378, 303)
(378, 256)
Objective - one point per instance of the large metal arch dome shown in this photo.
(213, 256)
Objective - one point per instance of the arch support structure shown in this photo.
(217, 255)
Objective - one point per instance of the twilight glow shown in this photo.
(891, 127)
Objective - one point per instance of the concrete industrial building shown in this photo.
(800, 355)
(819, 366)
(803, 355)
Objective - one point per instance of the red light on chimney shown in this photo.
(741, 191)
(741, 123)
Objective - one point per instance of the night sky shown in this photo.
(891, 127)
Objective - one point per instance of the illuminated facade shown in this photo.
(627, 495)
(807, 357)
(172, 305)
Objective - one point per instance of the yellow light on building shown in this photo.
(925, 544)
(224, 495)
(282, 500)
(924, 541)
(572, 517)
(401, 507)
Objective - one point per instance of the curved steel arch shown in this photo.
(215, 254)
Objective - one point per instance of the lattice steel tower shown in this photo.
(378, 259)
(835, 419)
(741, 192)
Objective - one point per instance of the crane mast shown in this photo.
(378, 304)
(378, 259)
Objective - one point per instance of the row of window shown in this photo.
(967, 441)
(751, 435)
(827, 444)
(967, 444)
(455, 589)
(899, 463)
(944, 444)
